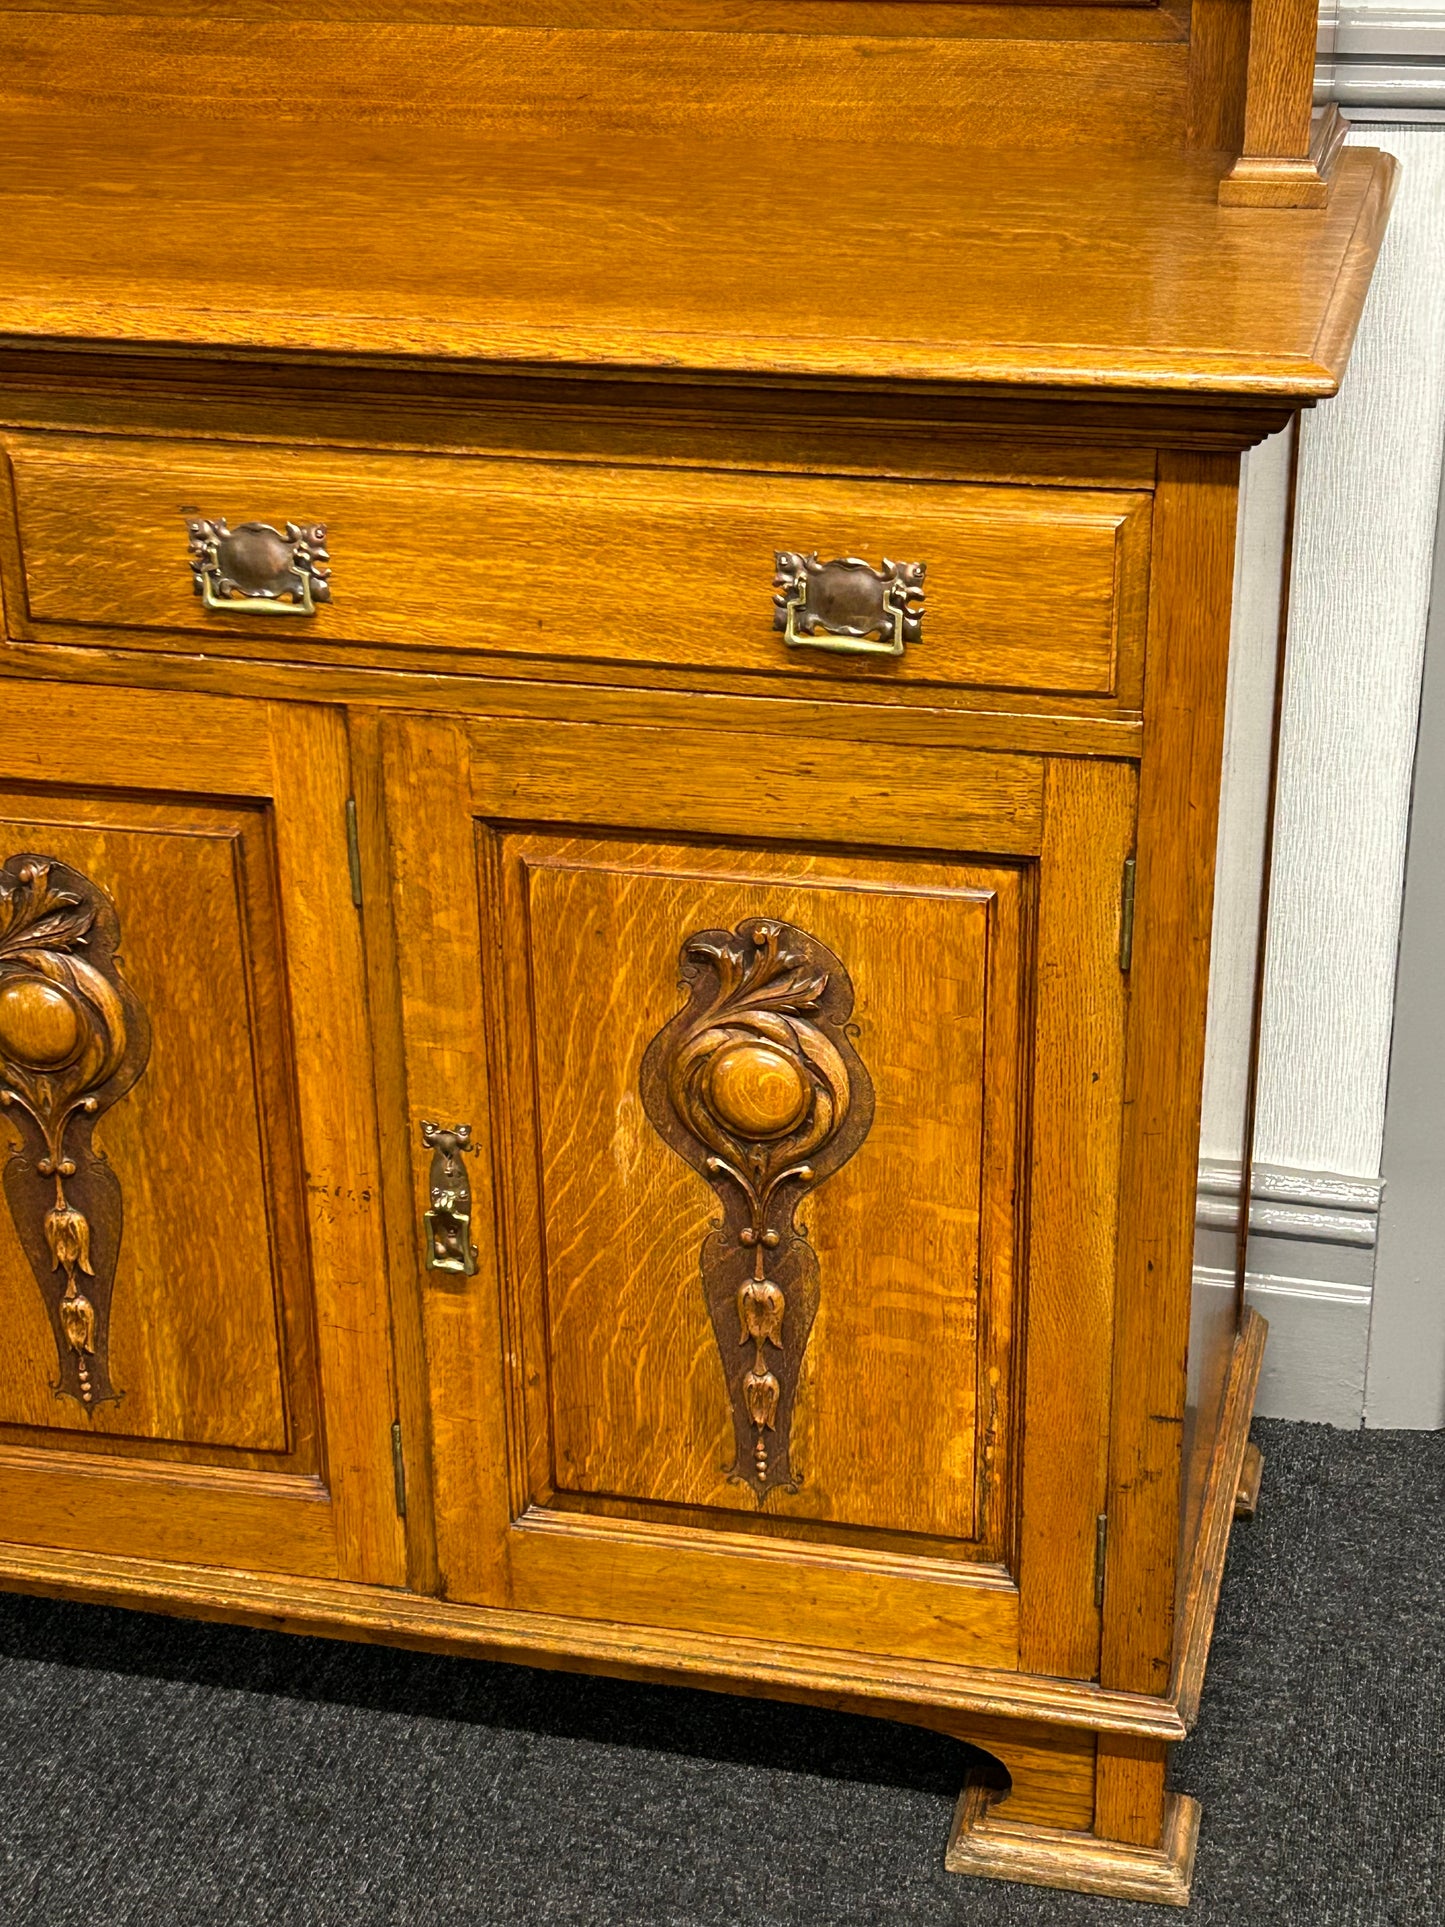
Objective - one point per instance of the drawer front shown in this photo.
(1025, 588)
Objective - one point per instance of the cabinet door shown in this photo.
(768, 1288)
(197, 1357)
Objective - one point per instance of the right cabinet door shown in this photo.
(765, 1097)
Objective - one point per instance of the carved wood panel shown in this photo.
(628, 1383)
(210, 1329)
(757, 1084)
(74, 1038)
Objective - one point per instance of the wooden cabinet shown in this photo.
(748, 1307)
(612, 686)
(197, 1364)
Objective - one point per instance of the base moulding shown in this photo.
(983, 1842)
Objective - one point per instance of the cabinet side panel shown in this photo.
(1192, 585)
(1236, 954)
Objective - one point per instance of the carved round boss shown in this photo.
(758, 1090)
(39, 1023)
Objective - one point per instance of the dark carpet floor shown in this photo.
(159, 1774)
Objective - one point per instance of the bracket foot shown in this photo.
(984, 1841)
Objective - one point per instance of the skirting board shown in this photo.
(1319, 1334)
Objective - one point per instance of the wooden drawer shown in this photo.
(1027, 588)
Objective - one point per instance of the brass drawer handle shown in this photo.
(256, 570)
(849, 602)
(449, 1244)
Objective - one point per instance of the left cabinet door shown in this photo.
(196, 1362)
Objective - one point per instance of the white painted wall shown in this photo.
(1354, 1335)
(1244, 793)
(1370, 464)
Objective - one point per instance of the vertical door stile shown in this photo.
(326, 981)
(444, 971)
(1077, 1111)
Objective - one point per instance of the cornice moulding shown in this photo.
(1385, 60)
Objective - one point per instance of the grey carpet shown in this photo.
(160, 1774)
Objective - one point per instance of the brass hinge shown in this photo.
(398, 1468)
(353, 851)
(1101, 1553)
(1126, 917)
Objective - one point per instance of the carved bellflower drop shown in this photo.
(73, 1039)
(757, 1084)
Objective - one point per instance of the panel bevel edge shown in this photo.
(501, 882)
(980, 1576)
(285, 1073)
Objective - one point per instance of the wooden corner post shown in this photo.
(1289, 149)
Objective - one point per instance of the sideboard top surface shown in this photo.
(1098, 271)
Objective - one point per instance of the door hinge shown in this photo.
(1101, 1554)
(353, 851)
(1126, 917)
(398, 1468)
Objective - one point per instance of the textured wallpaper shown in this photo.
(1365, 531)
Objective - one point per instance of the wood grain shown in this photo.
(490, 250)
(343, 1610)
(1027, 588)
(1204, 1570)
(1050, 1768)
(986, 1841)
(1251, 1475)
(560, 384)
(208, 1302)
(636, 1404)
(1077, 1095)
(93, 1505)
(667, 415)
(851, 84)
(395, 1144)
(1191, 588)
(676, 779)
(326, 981)
(1281, 73)
(446, 1069)
(1131, 1802)
(133, 739)
(1218, 64)
(1018, 19)
(235, 1295)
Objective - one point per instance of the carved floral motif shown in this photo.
(757, 1084)
(73, 1039)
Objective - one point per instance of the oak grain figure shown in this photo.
(826, 1332)
(757, 1084)
(73, 1040)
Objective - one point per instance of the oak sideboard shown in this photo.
(617, 631)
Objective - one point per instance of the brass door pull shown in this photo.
(448, 1223)
(259, 571)
(849, 602)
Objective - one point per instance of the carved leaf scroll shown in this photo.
(73, 1039)
(756, 1083)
